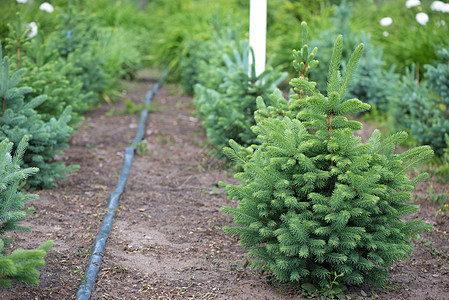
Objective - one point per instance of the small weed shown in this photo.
(91, 147)
(100, 212)
(440, 199)
(214, 260)
(162, 139)
(175, 91)
(146, 287)
(132, 108)
(444, 208)
(440, 254)
(141, 147)
(84, 252)
(111, 112)
(77, 273)
(119, 269)
(332, 291)
(419, 238)
(214, 191)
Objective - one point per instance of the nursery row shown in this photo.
(52, 73)
(319, 207)
(57, 61)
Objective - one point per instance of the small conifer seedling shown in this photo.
(319, 207)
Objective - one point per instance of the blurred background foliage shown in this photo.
(112, 39)
(160, 28)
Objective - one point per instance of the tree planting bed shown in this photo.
(166, 241)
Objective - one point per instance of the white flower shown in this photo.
(385, 33)
(440, 6)
(412, 3)
(437, 5)
(386, 21)
(22, 1)
(46, 7)
(33, 31)
(422, 18)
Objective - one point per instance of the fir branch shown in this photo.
(422, 153)
(350, 69)
(334, 66)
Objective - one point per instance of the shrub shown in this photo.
(21, 264)
(319, 207)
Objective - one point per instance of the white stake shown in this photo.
(258, 33)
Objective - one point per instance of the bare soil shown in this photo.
(167, 241)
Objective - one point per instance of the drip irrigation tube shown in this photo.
(93, 266)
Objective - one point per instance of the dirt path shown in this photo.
(166, 241)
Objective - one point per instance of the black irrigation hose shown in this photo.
(93, 267)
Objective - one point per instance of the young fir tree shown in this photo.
(318, 206)
(47, 73)
(19, 119)
(227, 111)
(76, 40)
(21, 264)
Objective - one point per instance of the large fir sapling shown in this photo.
(168, 35)
(287, 15)
(120, 49)
(20, 264)
(19, 119)
(319, 207)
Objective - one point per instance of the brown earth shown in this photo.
(166, 241)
